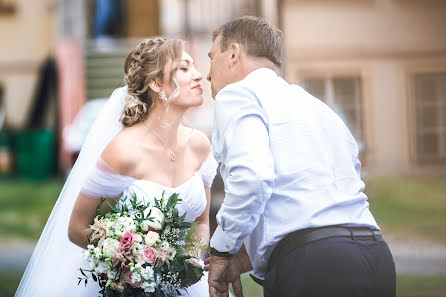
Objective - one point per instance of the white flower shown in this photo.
(111, 274)
(136, 277)
(137, 252)
(137, 237)
(124, 224)
(102, 267)
(149, 287)
(172, 254)
(147, 273)
(110, 246)
(157, 216)
(151, 238)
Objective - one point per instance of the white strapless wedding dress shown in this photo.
(60, 277)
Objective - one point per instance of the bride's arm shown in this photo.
(82, 217)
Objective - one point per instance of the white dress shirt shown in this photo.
(288, 162)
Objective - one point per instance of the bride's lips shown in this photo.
(198, 87)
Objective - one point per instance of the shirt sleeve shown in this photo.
(241, 142)
(208, 170)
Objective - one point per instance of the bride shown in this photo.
(137, 144)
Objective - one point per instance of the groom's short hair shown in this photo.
(258, 37)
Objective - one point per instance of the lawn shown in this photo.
(402, 206)
(407, 286)
(25, 206)
(408, 207)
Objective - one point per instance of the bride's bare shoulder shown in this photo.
(198, 142)
(118, 153)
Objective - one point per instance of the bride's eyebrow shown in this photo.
(188, 61)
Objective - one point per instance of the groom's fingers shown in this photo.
(206, 267)
(237, 287)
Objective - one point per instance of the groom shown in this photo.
(294, 209)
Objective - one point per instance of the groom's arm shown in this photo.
(247, 166)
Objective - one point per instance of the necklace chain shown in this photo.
(172, 155)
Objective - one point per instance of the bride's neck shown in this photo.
(165, 122)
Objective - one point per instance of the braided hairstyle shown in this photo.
(145, 63)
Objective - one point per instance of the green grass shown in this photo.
(406, 286)
(25, 206)
(408, 207)
(9, 281)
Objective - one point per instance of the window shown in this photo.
(343, 95)
(430, 115)
(7, 6)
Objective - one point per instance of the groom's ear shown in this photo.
(155, 85)
(235, 51)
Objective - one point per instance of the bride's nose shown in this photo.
(198, 76)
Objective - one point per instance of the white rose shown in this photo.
(157, 216)
(110, 246)
(151, 238)
(137, 237)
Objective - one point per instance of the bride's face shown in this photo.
(188, 79)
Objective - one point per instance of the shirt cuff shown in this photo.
(223, 242)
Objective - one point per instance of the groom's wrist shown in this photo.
(217, 253)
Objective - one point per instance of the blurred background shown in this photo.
(380, 64)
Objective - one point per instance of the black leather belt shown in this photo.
(305, 236)
(301, 237)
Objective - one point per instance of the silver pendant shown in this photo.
(172, 157)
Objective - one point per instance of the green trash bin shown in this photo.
(35, 153)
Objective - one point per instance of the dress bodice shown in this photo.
(191, 192)
(103, 181)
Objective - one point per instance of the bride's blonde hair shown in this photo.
(145, 63)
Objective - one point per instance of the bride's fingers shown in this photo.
(196, 263)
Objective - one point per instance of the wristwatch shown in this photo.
(214, 252)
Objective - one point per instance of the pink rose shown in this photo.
(127, 239)
(149, 254)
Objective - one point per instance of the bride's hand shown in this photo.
(196, 262)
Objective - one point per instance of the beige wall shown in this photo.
(26, 40)
(383, 41)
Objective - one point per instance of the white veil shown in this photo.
(53, 269)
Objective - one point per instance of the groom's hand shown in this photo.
(222, 272)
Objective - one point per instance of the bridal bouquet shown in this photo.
(142, 250)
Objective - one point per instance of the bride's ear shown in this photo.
(155, 85)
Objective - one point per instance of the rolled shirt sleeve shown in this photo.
(241, 144)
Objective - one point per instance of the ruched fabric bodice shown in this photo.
(103, 181)
(191, 192)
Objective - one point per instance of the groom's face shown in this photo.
(220, 72)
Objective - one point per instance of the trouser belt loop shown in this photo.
(351, 232)
(374, 236)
